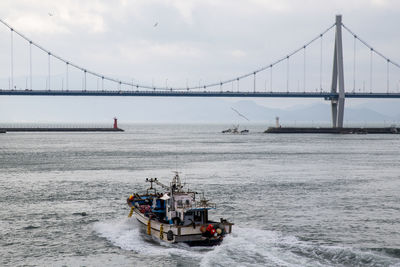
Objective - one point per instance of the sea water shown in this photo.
(296, 200)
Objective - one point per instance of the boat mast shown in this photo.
(176, 184)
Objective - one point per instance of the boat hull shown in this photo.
(171, 233)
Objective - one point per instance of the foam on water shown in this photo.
(245, 246)
(254, 247)
(128, 235)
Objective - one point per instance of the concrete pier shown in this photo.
(317, 130)
(45, 129)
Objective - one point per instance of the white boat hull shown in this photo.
(175, 233)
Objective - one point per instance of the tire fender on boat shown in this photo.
(149, 227)
(170, 235)
(161, 231)
(131, 212)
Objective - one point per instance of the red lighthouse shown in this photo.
(115, 123)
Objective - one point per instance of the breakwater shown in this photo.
(62, 129)
(327, 130)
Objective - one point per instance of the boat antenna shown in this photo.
(176, 182)
(176, 163)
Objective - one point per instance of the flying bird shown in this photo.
(241, 115)
(50, 14)
(155, 24)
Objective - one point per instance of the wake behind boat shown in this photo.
(176, 215)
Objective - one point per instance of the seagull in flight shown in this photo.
(155, 24)
(50, 14)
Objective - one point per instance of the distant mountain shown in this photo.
(316, 112)
(181, 110)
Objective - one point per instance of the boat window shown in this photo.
(187, 202)
(180, 202)
(197, 216)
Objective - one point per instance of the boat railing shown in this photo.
(197, 205)
(208, 205)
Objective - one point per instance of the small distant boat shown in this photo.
(177, 215)
(235, 130)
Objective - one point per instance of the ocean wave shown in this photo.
(244, 247)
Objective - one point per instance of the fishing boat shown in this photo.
(176, 215)
(233, 130)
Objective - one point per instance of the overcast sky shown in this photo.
(194, 42)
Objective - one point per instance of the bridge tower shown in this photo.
(337, 104)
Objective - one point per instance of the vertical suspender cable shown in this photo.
(254, 85)
(12, 60)
(49, 83)
(238, 85)
(320, 65)
(287, 74)
(387, 75)
(84, 80)
(354, 64)
(66, 76)
(30, 65)
(270, 81)
(370, 70)
(102, 83)
(265, 85)
(304, 74)
(266, 80)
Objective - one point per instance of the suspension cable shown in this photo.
(370, 47)
(119, 82)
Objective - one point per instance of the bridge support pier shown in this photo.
(338, 77)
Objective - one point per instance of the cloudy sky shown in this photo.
(174, 43)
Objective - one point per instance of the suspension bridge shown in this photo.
(336, 92)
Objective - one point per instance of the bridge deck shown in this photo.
(325, 95)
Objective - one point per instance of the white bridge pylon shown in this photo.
(338, 77)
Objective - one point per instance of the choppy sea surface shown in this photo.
(296, 200)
